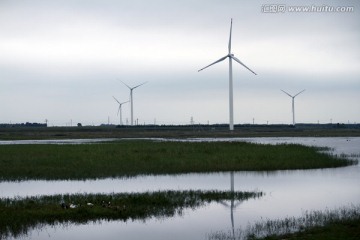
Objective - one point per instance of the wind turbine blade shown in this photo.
(237, 204)
(116, 100)
(230, 37)
(221, 59)
(139, 85)
(299, 93)
(124, 102)
(118, 110)
(125, 84)
(286, 93)
(237, 60)
(224, 204)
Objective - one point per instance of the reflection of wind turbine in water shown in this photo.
(232, 205)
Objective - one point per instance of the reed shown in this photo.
(340, 223)
(134, 157)
(17, 216)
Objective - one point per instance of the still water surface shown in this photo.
(287, 193)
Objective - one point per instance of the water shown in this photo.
(56, 141)
(288, 193)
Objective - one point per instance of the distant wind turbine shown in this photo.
(293, 104)
(231, 57)
(119, 110)
(131, 100)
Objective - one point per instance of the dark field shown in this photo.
(309, 130)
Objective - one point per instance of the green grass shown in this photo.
(342, 223)
(135, 157)
(17, 216)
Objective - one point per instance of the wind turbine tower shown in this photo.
(119, 110)
(293, 104)
(231, 57)
(131, 100)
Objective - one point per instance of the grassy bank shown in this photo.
(343, 223)
(131, 158)
(19, 215)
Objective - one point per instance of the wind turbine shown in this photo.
(131, 100)
(231, 57)
(119, 110)
(293, 104)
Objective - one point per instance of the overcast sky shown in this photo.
(63, 61)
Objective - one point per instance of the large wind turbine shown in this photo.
(231, 57)
(119, 110)
(293, 104)
(131, 100)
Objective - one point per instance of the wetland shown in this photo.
(284, 193)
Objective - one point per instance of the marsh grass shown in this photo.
(17, 216)
(140, 157)
(341, 223)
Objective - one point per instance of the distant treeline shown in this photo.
(27, 124)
